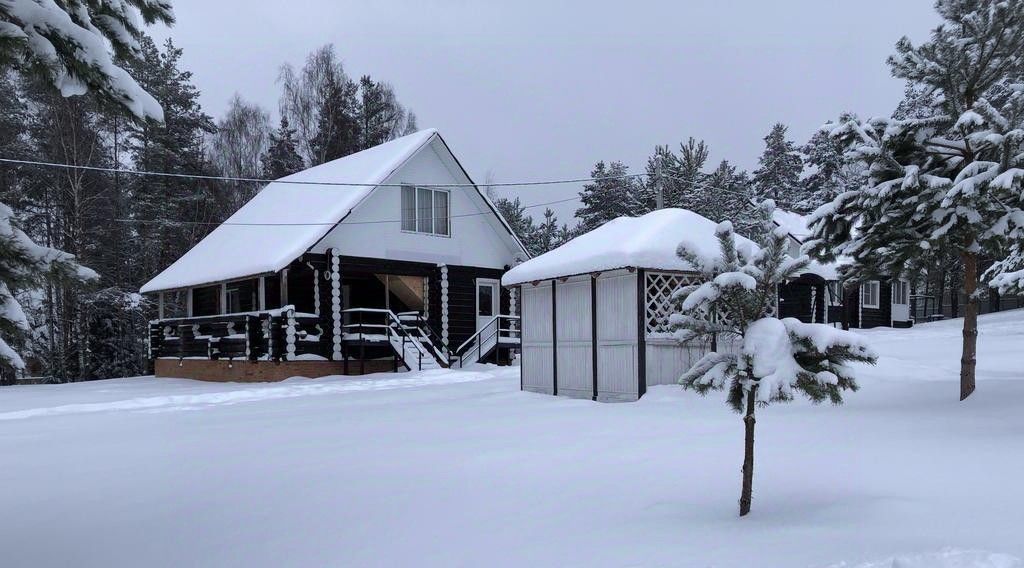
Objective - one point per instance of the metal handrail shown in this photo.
(492, 320)
(493, 330)
(390, 328)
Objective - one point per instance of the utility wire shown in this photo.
(332, 223)
(660, 174)
(380, 221)
(307, 182)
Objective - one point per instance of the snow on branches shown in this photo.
(72, 41)
(24, 264)
(756, 357)
(944, 174)
(757, 352)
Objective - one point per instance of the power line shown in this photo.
(329, 224)
(660, 175)
(307, 182)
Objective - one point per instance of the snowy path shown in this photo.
(462, 469)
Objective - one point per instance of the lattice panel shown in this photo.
(660, 288)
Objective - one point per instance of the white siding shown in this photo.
(537, 349)
(477, 236)
(575, 346)
(617, 314)
(667, 360)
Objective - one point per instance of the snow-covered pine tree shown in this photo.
(758, 358)
(729, 196)
(611, 195)
(828, 175)
(24, 264)
(282, 157)
(778, 175)
(515, 214)
(67, 42)
(951, 180)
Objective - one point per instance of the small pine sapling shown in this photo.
(756, 357)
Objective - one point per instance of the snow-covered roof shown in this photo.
(235, 250)
(796, 225)
(649, 242)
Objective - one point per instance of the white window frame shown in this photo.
(866, 287)
(416, 211)
(901, 290)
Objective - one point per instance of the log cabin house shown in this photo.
(820, 295)
(401, 271)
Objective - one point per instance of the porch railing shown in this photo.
(274, 335)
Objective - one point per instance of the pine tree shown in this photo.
(282, 158)
(515, 214)
(773, 358)
(13, 122)
(338, 133)
(170, 214)
(680, 177)
(66, 42)
(611, 195)
(380, 116)
(829, 174)
(951, 180)
(778, 177)
(546, 236)
(729, 197)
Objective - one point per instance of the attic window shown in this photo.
(425, 210)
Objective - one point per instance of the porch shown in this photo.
(341, 315)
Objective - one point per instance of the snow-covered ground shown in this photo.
(462, 469)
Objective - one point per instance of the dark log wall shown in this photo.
(206, 300)
(869, 317)
(247, 294)
(882, 316)
(272, 290)
(300, 287)
(795, 299)
(462, 301)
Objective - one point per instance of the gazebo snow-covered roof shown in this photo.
(284, 220)
(649, 241)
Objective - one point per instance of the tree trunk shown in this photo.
(969, 357)
(748, 453)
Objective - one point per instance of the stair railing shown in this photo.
(393, 327)
(493, 329)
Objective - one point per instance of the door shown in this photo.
(900, 300)
(487, 295)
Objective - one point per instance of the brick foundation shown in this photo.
(263, 371)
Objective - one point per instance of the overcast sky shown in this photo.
(542, 89)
